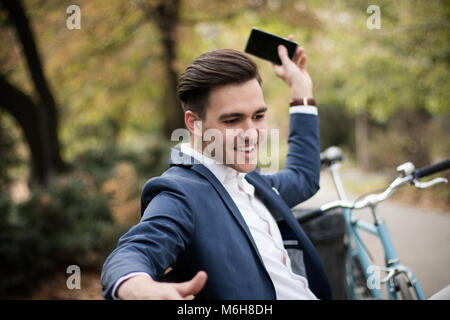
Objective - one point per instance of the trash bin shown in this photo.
(327, 233)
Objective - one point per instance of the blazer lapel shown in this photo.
(281, 208)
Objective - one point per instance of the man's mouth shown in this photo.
(246, 154)
(246, 148)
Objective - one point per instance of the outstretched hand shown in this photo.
(142, 287)
(294, 73)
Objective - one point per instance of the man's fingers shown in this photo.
(302, 63)
(298, 55)
(192, 286)
(282, 53)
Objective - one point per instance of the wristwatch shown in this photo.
(302, 102)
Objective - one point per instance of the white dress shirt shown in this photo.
(262, 226)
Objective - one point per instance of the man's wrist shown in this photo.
(304, 101)
(115, 290)
(300, 90)
(304, 105)
(299, 94)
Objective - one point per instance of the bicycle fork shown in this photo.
(393, 266)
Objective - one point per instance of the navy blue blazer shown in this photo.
(190, 223)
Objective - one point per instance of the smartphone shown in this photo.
(264, 45)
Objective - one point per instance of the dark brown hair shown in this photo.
(212, 69)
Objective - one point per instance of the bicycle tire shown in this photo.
(362, 292)
(357, 280)
(402, 287)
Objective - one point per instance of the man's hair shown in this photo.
(210, 70)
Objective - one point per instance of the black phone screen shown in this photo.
(264, 45)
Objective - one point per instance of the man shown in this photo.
(226, 230)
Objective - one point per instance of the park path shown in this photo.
(420, 236)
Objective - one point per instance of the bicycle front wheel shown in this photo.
(403, 287)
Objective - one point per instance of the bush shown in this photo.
(149, 160)
(9, 159)
(69, 222)
(78, 218)
(336, 127)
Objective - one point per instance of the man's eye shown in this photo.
(230, 121)
(259, 116)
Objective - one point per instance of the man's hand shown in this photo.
(142, 287)
(294, 73)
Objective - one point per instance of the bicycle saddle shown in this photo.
(330, 155)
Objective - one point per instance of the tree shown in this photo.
(39, 121)
(396, 76)
(166, 16)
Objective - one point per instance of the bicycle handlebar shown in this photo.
(429, 170)
(372, 200)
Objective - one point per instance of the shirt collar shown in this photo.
(222, 172)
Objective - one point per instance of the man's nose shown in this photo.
(249, 131)
(249, 125)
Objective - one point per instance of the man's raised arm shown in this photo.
(299, 180)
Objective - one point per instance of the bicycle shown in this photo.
(361, 282)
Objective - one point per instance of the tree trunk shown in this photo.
(417, 126)
(166, 15)
(362, 140)
(49, 116)
(29, 118)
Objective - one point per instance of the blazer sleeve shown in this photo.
(155, 242)
(299, 180)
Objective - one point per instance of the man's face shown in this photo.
(238, 112)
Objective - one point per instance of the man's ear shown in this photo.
(193, 122)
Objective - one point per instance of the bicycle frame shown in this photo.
(356, 248)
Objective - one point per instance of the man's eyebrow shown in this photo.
(262, 109)
(238, 114)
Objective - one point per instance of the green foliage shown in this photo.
(401, 67)
(414, 137)
(149, 158)
(69, 222)
(109, 77)
(336, 127)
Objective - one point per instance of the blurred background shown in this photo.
(86, 114)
